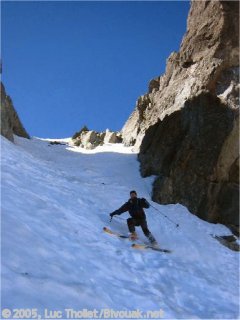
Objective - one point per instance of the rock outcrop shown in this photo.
(90, 139)
(10, 122)
(112, 137)
(186, 126)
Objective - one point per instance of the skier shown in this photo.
(135, 207)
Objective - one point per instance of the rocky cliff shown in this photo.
(186, 126)
(10, 122)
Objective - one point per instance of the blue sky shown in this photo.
(71, 63)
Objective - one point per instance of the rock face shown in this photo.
(186, 126)
(10, 122)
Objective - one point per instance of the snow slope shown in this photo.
(56, 200)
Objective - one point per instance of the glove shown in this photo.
(112, 214)
(146, 204)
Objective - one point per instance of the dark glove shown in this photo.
(146, 204)
(112, 214)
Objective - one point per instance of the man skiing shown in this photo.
(135, 207)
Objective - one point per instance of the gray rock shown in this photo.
(92, 139)
(112, 137)
(229, 242)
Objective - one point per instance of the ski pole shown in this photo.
(117, 218)
(177, 225)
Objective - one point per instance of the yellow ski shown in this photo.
(146, 246)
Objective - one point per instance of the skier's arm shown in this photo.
(145, 203)
(121, 210)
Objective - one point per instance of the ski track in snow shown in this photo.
(56, 200)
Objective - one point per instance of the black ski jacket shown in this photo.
(134, 207)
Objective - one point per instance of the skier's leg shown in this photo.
(131, 225)
(146, 231)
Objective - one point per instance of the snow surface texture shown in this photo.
(56, 200)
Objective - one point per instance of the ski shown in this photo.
(109, 231)
(146, 246)
(135, 245)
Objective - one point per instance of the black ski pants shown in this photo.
(132, 223)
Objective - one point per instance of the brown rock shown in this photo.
(10, 122)
(208, 60)
(186, 126)
(186, 151)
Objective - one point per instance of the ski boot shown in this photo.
(153, 241)
(133, 236)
